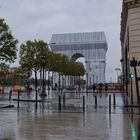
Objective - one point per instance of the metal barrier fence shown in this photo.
(67, 101)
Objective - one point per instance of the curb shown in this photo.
(7, 106)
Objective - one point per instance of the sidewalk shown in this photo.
(94, 124)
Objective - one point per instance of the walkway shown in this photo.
(50, 124)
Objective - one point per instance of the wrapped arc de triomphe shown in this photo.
(90, 45)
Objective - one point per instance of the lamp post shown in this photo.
(48, 82)
(43, 93)
(79, 82)
(133, 64)
(117, 69)
(87, 82)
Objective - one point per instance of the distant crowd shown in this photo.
(98, 88)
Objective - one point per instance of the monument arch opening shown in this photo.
(75, 56)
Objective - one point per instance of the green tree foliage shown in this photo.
(61, 63)
(11, 76)
(16, 76)
(79, 69)
(7, 43)
(34, 54)
(4, 73)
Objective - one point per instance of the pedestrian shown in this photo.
(94, 87)
(100, 89)
(27, 87)
(10, 94)
(106, 88)
(55, 85)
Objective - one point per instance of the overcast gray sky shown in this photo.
(39, 19)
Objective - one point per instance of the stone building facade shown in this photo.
(130, 46)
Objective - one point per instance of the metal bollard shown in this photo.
(109, 104)
(18, 99)
(63, 100)
(95, 101)
(114, 100)
(10, 95)
(59, 103)
(83, 104)
(36, 98)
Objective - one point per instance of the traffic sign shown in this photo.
(133, 63)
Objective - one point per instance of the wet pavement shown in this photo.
(70, 123)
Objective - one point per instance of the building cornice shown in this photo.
(127, 4)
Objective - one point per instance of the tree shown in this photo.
(4, 73)
(7, 43)
(16, 76)
(33, 56)
(79, 69)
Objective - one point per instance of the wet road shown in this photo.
(48, 124)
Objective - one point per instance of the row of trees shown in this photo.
(34, 55)
(10, 76)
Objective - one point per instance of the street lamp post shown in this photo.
(134, 64)
(48, 82)
(43, 93)
(87, 82)
(79, 82)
